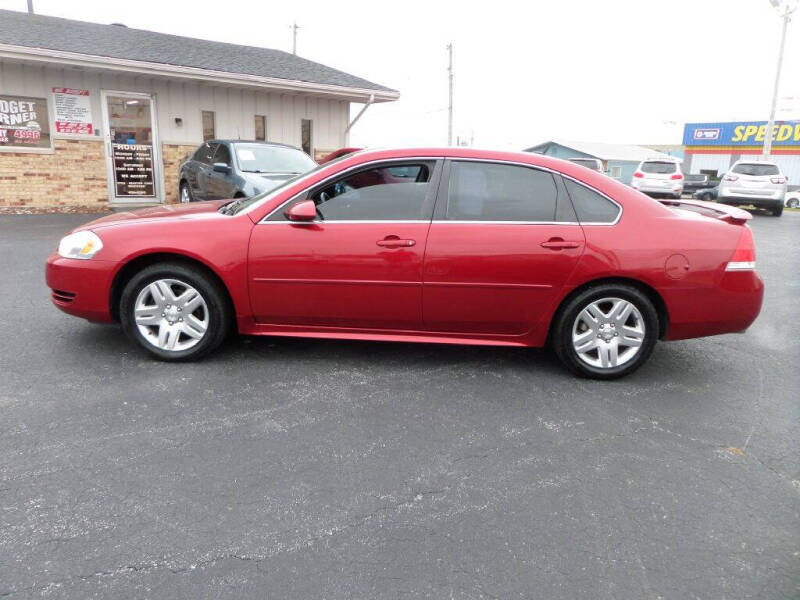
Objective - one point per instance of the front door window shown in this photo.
(132, 148)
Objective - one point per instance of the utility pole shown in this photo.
(771, 123)
(295, 27)
(30, 7)
(450, 102)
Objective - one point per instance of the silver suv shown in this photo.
(760, 184)
(659, 177)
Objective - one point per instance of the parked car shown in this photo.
(695, 181)
(595, 164)
(221, 169)
(757, 183)
(659, 177)
(707, 194)
(337, 154)
(449, 245)
(792, 199)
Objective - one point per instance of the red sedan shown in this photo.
(448, 245)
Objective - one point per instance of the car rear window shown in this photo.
(590, 206)
(755, 169)
(499, 192)
(662, 167)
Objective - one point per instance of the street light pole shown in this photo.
(450, 101)
(771, 124)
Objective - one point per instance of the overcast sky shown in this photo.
(624, 71)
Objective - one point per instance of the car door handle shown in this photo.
(392, 241)
(559, 244)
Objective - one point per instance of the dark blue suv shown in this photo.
(221, 169)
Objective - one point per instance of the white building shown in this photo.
(74, 96)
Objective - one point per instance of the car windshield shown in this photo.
(263, 158)
(659, 167)
(755, 169)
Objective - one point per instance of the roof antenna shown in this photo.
(30, 7)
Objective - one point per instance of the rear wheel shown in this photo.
(778, 210)
(606, 331)
(793, 203)
(174, 311)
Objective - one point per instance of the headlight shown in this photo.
(81, 244)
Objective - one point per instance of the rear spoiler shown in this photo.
(731, 214)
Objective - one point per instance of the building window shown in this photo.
(261, 127)
(209, 132)
(615, 172)
(24, 124)
(306, 136)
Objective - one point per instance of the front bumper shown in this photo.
(81, 287)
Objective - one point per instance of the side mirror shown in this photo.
(221, 168)
(302, 212)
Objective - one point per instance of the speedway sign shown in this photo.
(741, 133)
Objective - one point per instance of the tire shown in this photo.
(165, 288)
(793, 203)
(185, 193)
(600, 340)
(707, 197)
(778, 210)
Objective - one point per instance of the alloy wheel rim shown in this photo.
(184, 194)
(608, 333)
(171, 315)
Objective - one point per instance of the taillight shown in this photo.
(778, 179)
(677, 176)
(744, 257)
(638, 174)
(731, 177)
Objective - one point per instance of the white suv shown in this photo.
(759, 183)
(659, 177)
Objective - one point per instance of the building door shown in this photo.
(133, 157)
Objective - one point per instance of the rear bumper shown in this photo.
(672, 188)
(729, 307)
(81, 287)
(749, 200)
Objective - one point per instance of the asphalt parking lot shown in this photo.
(284, 468)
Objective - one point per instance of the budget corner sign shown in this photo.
(741, 134)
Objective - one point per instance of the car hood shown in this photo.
(264, 182)
(193, 210)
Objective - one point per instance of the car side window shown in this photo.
(222, 155)
(590, 206)
(384, 193)
(479, 191)
(205, 153)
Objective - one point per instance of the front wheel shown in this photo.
(174, 311)
(185, 193)
(606, 331)
(793, 203)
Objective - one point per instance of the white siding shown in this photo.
(234, 107)
(718, 162)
